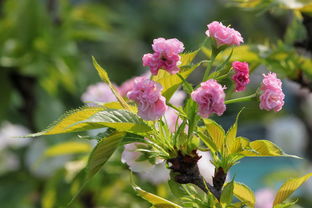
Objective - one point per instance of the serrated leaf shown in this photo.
(207, 141)
(216, 132)
(63, 125)
(264, 148)
(117, 105)
(66, 148)
(102, 152)
(231, 135)
(289, 187)
(187, 58)
(171, 82)
(156, 201)
(121, 120)
(244, 194)
(286, 204)
(227, 193)
(104, 76)
(241, 53)
(239, 144)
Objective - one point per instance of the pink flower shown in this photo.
(126, 87)
(146, 93)
(128, 84)
(241, 76)
(98, 93)
(223, 35)
(270, 81)
(210, 98)
(272, 96)
(165, 56)
(171, 115)
(264, 198)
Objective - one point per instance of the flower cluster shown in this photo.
(210, 98)
(165, 56)
(223, 35)
(272, 96)
(241, 76)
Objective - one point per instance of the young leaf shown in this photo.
(121, 120)
(104, 76)
(63, 125)
(207, 141)
(216, 132)
(68, 148)
(177, 189)
(102, 152)
(155, 200)
(264, 148)
(227, 193)
(230, 138)
(239, 144)
(244, 194)
(289, 187)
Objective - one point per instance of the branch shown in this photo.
(185, 170)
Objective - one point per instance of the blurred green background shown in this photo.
(45, 67)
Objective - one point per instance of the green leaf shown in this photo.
(286, 204)
(216, 132)
(66, 148)
(240, 53)
(187, 58)
(244, 194)
(171, 82)
(121, 120)
(264, 148)
(289, 187)
(207, 141)
(104, 76)
(177, 189)
(155, 200)
(65, 123)
(227, 193)
(239, 144)
(231, 135)
(102, 152)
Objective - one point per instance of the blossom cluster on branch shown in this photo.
(169, 134)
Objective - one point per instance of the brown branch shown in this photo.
(185, 170)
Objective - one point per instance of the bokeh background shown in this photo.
(45, 67)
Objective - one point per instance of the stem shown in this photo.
(185, 170)
(241, 99)
(209, 66)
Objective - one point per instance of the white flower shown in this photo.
(7, 133)
(178, 98)
(289, 133)
(206, 168)
(8, 161)
(154, 173)
(98, 93)
(130, 155)
(157, 174)
(40, 166)
(264, 198)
